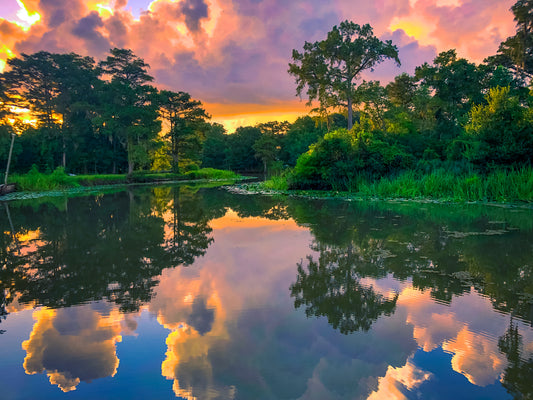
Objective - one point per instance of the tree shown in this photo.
(241, 154)
(303, 132)
(329, 68)
(266, 149)
(131, 116)
(517, 51)
(185, 117)
(215, 146)
(457, 85)
(55, 87)
(76, 77)
(501, 131)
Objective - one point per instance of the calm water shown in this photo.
(168, 292)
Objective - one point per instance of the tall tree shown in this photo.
(54, 87)
(76, 77)
(185, 118)
(131, 117)
(456, 84)
(330, 68)
(517, 51)
(215, 146)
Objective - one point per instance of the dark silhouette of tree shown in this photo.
(516, 52)
(187, 121)
(329, 68)
(129, 114)
(517, 375)
(190, 229)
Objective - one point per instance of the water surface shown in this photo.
(165, 292)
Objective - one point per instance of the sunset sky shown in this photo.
(233, 55)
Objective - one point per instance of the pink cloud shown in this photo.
(237, 51)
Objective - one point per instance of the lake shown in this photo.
(200, 293)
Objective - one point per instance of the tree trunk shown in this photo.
(64, 158)
(130, 158)
(350, 113)
(9, 157)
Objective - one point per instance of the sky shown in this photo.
(233, 55)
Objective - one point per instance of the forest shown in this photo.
(451, 119)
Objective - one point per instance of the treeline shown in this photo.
(89, 117)
(94, 118)
(451, 115)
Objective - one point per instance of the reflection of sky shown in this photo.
(226, 327)
(76, 344)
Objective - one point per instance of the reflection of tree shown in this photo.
(96, 247)
(518, 375)
(331, 287)
(189, 229)
(446, 250)
(8, 253)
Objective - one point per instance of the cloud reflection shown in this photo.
(73, 345)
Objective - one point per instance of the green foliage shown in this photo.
(276, 182)
(186, 120)
(329, 68)
(214, 149)
(240, 154)
(37, 181)
(499, 186)
(211, 173)
(302, 133)
(500, 132)
(516, 51)
(336, 161)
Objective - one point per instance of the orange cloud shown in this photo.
(407, 377)
(475, 353)
(474, 27)
(476, 357)
(73, 345)
(233, 54)
(199, 304)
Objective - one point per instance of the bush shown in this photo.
(500, 132)
(336, 161)
(37, 181)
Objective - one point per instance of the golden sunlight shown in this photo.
(5, 53)
(415, 26)
(26, 19)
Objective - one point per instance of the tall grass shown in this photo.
(497, 186)
(37, 181)
(212, 173)
(276, 182)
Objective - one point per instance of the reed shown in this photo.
(509, 185)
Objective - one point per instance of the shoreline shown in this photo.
(256, 189)
(88, 190)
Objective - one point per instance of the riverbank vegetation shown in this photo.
(453, 129)
(36, 181)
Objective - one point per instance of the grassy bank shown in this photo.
(35, 181)
(501, 186)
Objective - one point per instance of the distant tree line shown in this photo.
(90, 117)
